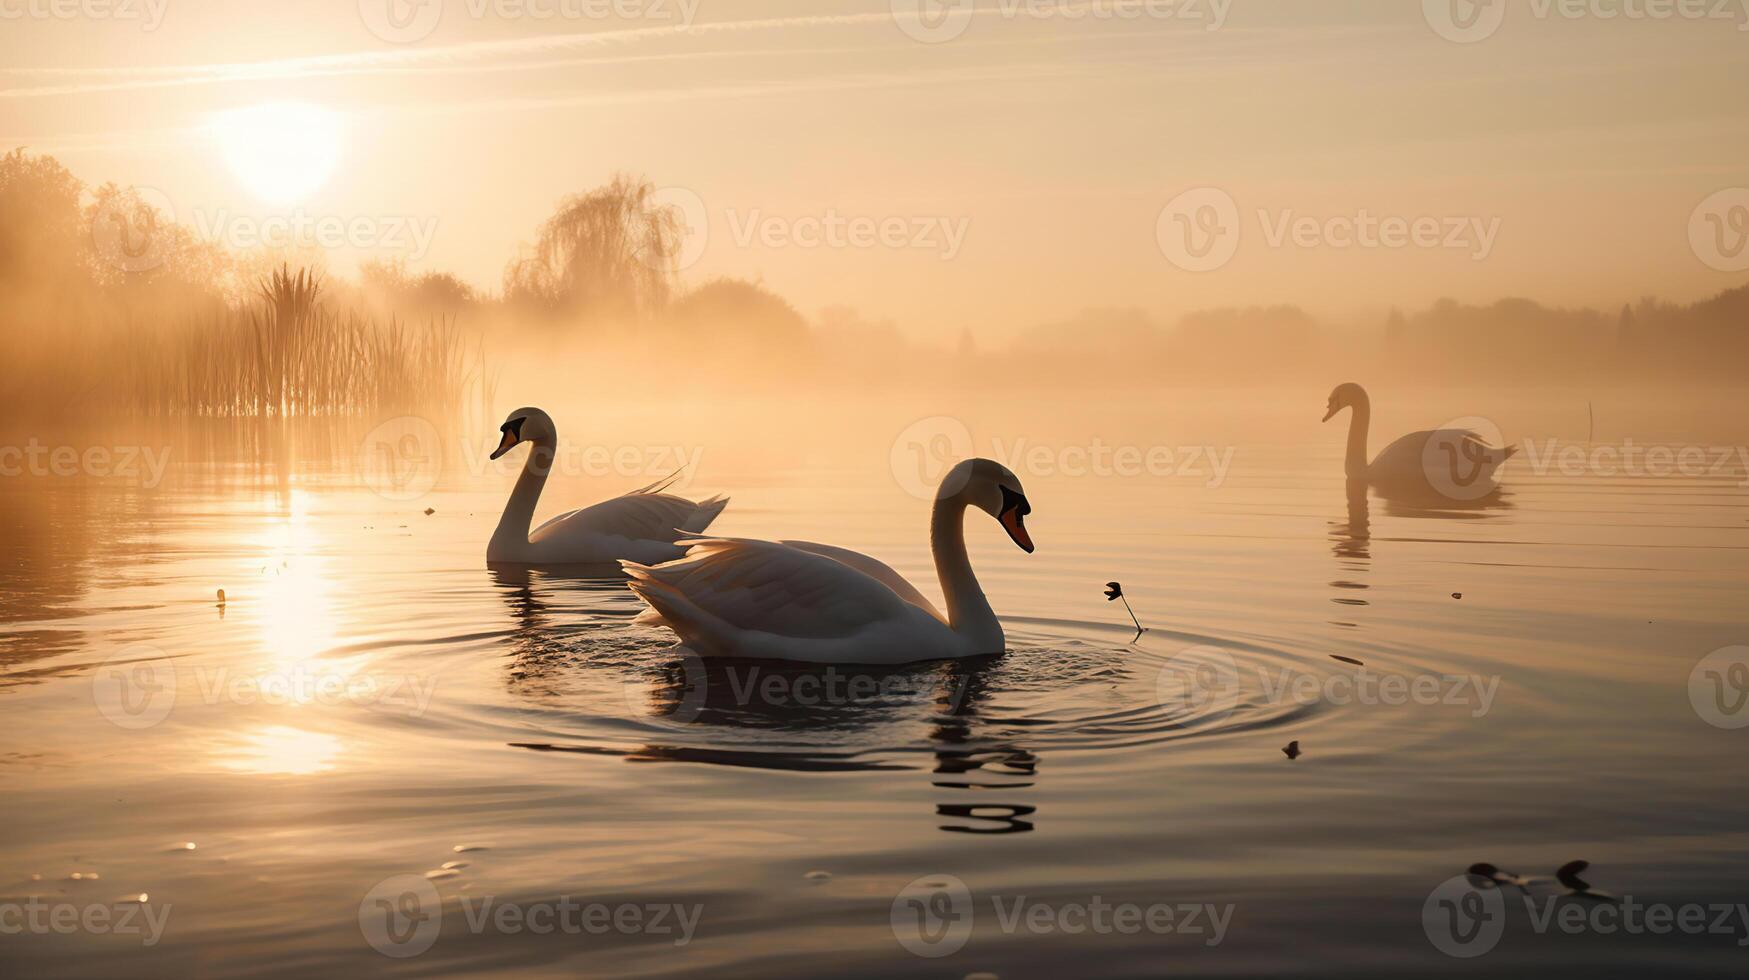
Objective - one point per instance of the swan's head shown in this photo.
(993, 489)
(525, 425)
(1348, 395)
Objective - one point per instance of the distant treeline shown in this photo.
(1517, 340)
(108, 308)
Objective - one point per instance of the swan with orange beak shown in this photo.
(795, 600)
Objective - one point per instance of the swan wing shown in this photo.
(725, 584)
(874, 568)
(637, 516)
(1408, 454)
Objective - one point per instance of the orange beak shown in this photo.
(1015, 525)
(505, 444)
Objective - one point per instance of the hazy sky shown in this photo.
(1010, 170)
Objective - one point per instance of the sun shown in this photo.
(281, 151)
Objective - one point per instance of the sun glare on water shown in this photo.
(282, 152)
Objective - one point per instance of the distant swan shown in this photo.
(1448, 462)
(793, 600)
(642, 525)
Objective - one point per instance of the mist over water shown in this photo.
(1321, 424)
(370, 696)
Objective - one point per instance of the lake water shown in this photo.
(372, 703)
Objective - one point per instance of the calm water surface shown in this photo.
(372, 698)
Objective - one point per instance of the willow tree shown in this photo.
(607, 255)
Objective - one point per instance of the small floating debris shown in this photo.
(818, 876)
(454, 865)
(1114, 592)
(186, 845)
(1578, 887)
(1348, 660)
(429, 511)
(1489, 872)
(84, 876)
(1292, 751)
(1457, 595)
(221, 597)
(36, 877)
(441, 873)
(139, 899)
(465, 848)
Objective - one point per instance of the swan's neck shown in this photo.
(512, 534)
(968, 612)
(1355, 466)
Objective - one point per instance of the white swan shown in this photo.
(792, 600)
(1454, 463)
(643, 525)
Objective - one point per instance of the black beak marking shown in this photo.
(1014, 509)
(512, 435)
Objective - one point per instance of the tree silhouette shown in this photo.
(607, 255)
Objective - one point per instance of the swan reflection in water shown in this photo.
(1351, 542)
(1351, 539)
(719, 708)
